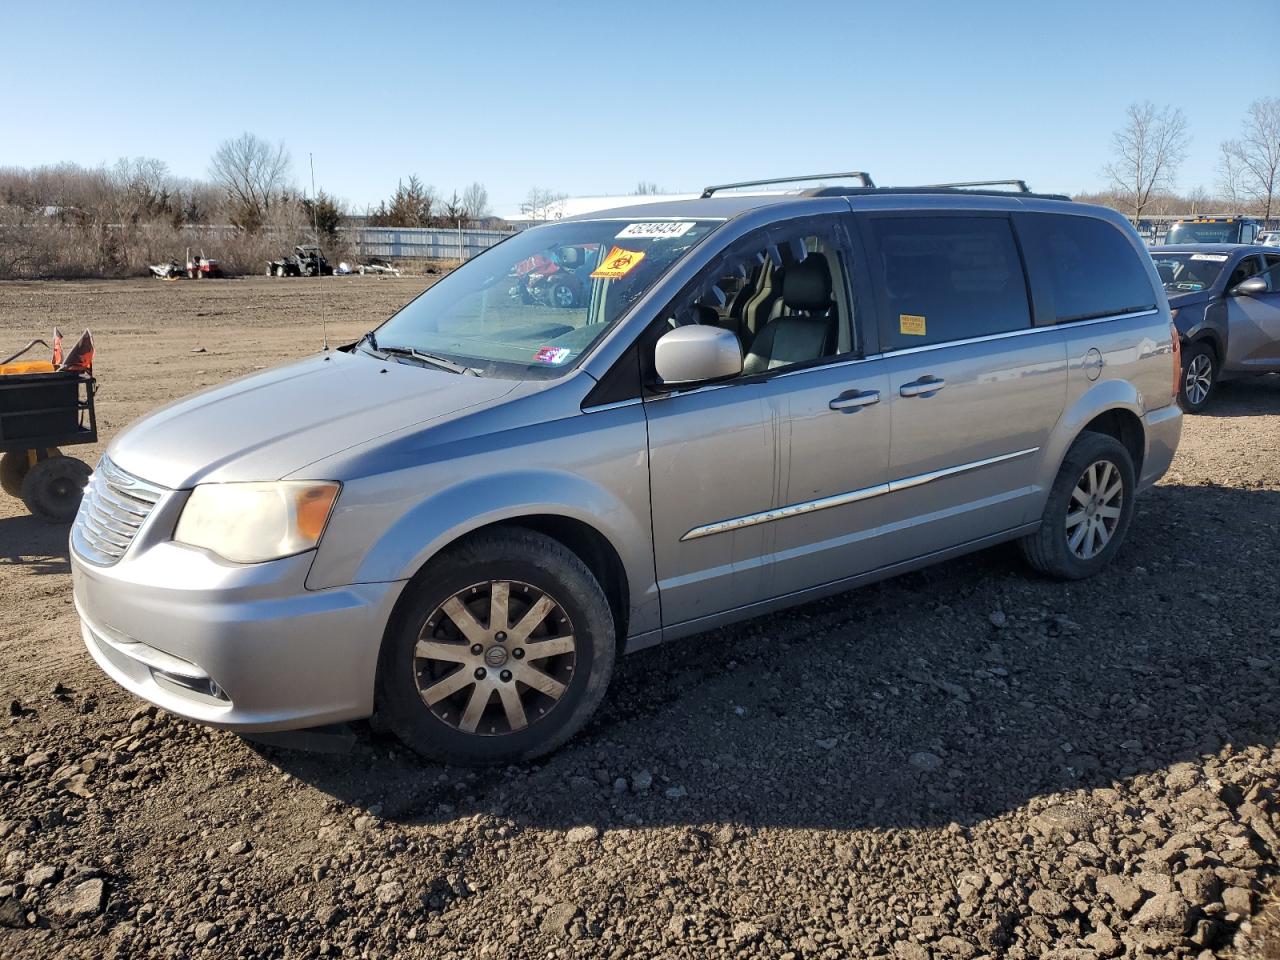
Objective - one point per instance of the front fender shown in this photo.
(432, 524)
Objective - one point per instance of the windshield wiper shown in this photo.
(442, 362)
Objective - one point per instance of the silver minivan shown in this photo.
(620, 429)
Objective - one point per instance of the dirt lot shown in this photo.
(966, 761)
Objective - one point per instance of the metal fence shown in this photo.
(409, 243)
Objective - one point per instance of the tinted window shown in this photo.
(948, 278)
(1092, 269)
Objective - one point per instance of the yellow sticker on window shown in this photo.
(617, 264)
(910, 326)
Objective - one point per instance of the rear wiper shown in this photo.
(431, 358)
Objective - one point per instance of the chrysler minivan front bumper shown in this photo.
(245, 647)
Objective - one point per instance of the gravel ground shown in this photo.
(963, 762)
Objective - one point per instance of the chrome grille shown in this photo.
(115, 506)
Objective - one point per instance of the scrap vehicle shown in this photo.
(559, 277)
(378, 265)
(307, 260)
(201, 267)
(458, 522)
(1226, 306)
(166, 271)
(1219, 229)
(46, 405)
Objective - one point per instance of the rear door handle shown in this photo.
(853, 399)
(924, 387)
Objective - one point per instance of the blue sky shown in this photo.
(590, 98)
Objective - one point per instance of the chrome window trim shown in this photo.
(906, 351)
(853, 496)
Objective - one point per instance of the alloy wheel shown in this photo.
(495, 657)
(1094, 511)
(1199, 379)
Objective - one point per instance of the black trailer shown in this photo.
(39, 414)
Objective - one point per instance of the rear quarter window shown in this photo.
(1090, 268)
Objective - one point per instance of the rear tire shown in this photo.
(1087, 514)
(1199, 377)
(52, 489)
(452, 704)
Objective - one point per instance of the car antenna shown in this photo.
(315, 228)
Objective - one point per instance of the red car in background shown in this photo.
(560, 277)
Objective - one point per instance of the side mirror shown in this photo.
(1250, 288)
(697, 354)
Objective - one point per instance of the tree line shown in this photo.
(1151, 145)
(67, 220)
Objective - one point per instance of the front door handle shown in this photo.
(924, 387)
(853, 399)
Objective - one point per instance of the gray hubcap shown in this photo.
(1199, 379)
(1094, 511)
(495, 657)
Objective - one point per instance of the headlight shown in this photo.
(253, 522)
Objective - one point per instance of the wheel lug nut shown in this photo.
(480, 673)
(499, 636)
(506, 676)
(518, 653)
(477, 649)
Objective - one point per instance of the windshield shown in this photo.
(529, 307)
(1188, 272)
(1221, 232)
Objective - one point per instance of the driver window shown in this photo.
(1245, 269)
(782, 293)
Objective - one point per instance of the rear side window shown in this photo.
(1091, 268)
(948, 278)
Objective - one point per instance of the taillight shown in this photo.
(1177, 359)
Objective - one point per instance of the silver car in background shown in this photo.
(1225, 302)
(459, 521)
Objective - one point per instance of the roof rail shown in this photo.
(1020, 184)
(865, 179)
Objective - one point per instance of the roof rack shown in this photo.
(1020, 184)
(864, 178)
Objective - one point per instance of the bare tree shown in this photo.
(646, 188)
(1250, 165)
(542, 204)
(1148, 149)
(475, 202)
(253, 173)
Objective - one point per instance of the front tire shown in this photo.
(503, 651)
(1088, 512)
(1199, 377)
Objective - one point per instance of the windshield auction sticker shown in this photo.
(910, 325)
(1215, 257)
(617, 264)
(555, 355)
(656, 231)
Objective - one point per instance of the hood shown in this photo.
(271, 424)
(1179, 300)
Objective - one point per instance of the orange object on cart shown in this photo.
(26, 366)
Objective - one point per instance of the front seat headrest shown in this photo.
(807, 285)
